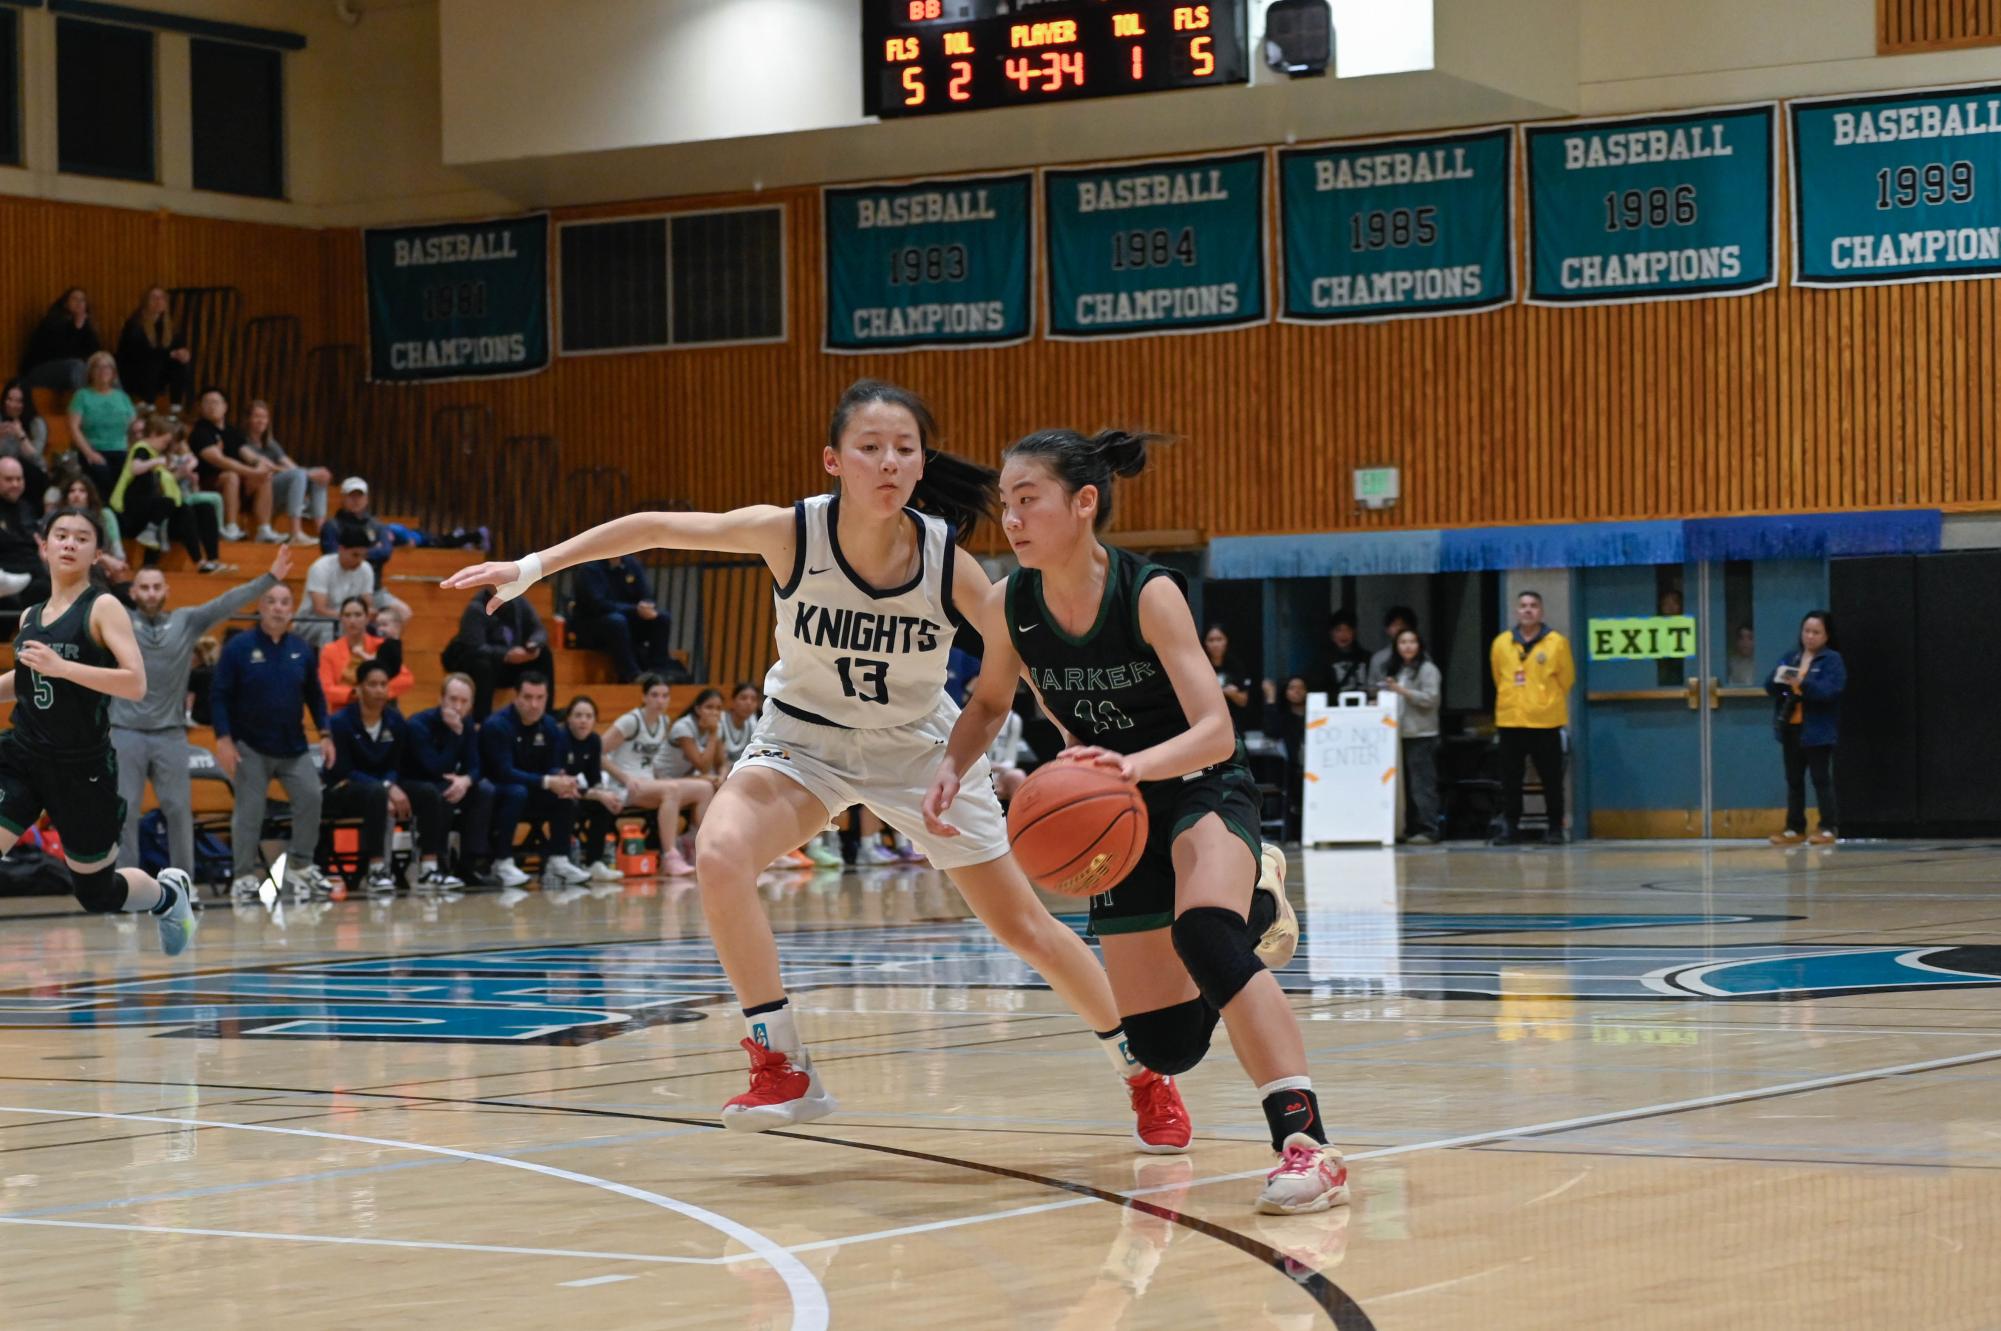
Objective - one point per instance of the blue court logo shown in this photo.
(579, 993)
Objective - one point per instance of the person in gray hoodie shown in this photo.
(151, 736)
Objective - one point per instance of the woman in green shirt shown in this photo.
(100, 414)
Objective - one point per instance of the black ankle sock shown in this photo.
(763, 1008)
(169, 895)
(1287, 1112)
(1263, 912)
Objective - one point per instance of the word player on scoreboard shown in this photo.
(926, 57)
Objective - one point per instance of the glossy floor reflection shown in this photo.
(1649, 1085)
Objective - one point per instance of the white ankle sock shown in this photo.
(1115, 1046)
(774, 1030)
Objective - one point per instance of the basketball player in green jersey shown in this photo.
(73, 654)
(1109, 644)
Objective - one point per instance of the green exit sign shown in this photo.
(1654, 638)
(1378, 487)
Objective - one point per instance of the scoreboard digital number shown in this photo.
(927, 57)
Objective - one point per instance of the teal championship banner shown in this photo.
(1156, 247)
(930, 263)
(1398, 228)
(1654, 207)
(1896, 187)
(458, 300)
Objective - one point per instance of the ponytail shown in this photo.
(1077, 462)
(960, 491)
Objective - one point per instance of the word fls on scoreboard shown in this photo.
(924, 57)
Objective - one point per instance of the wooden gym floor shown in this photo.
(1626, 1085)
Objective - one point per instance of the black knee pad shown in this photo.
(1170, 1040)
(1215, 945)
(100, 891)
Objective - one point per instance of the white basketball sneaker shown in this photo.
(177, 923)
(1309, 1177)
(1281, 937)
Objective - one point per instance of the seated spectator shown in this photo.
(100, 416)
(652, 768)
(294, 486)
(342, 659)
(223, 467)
(740, 722)
(697, 738)
(24, 578)
(1285, 721)
(61, 345)
(82, 493)
(521, 752)
(444, 752)
(1236, 684)
(24, 435)
(150, 498)
(332, 579)
(371, 746)
(353, 515)
(185, 468)
(499, 649)
(615, 614)
(265, 682)
(201, 678)
(601, 799)
(152, 354)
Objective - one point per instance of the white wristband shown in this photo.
(530, 567)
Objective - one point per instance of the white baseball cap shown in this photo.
(354, 485)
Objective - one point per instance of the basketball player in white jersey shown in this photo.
(856, 713)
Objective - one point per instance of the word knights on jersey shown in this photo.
(863, 630)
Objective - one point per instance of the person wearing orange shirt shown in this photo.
(341, 658)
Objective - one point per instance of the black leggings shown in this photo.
(369, 801)
(193, 525)
(1800, 759)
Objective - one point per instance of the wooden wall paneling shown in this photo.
(1904, 26)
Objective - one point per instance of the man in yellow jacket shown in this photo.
(1533, 672)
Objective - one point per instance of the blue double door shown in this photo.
(1682, 745)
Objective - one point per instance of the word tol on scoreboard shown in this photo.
(927, 57)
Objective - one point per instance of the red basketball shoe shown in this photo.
(780, 1093)
(1163, 1127)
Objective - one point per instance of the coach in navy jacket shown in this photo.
(444, 753)
(520, 751)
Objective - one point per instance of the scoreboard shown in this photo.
(928, 57)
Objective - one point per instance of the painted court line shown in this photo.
(594, 1280)
(348, 1240)
(810, 1311)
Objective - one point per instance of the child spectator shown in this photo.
(341, 660)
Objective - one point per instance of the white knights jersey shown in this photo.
(851, 655)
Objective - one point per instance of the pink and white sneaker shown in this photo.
(780, 1093)
(1309, 1177)
(673, 865)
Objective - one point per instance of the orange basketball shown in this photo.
(1077, 829)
